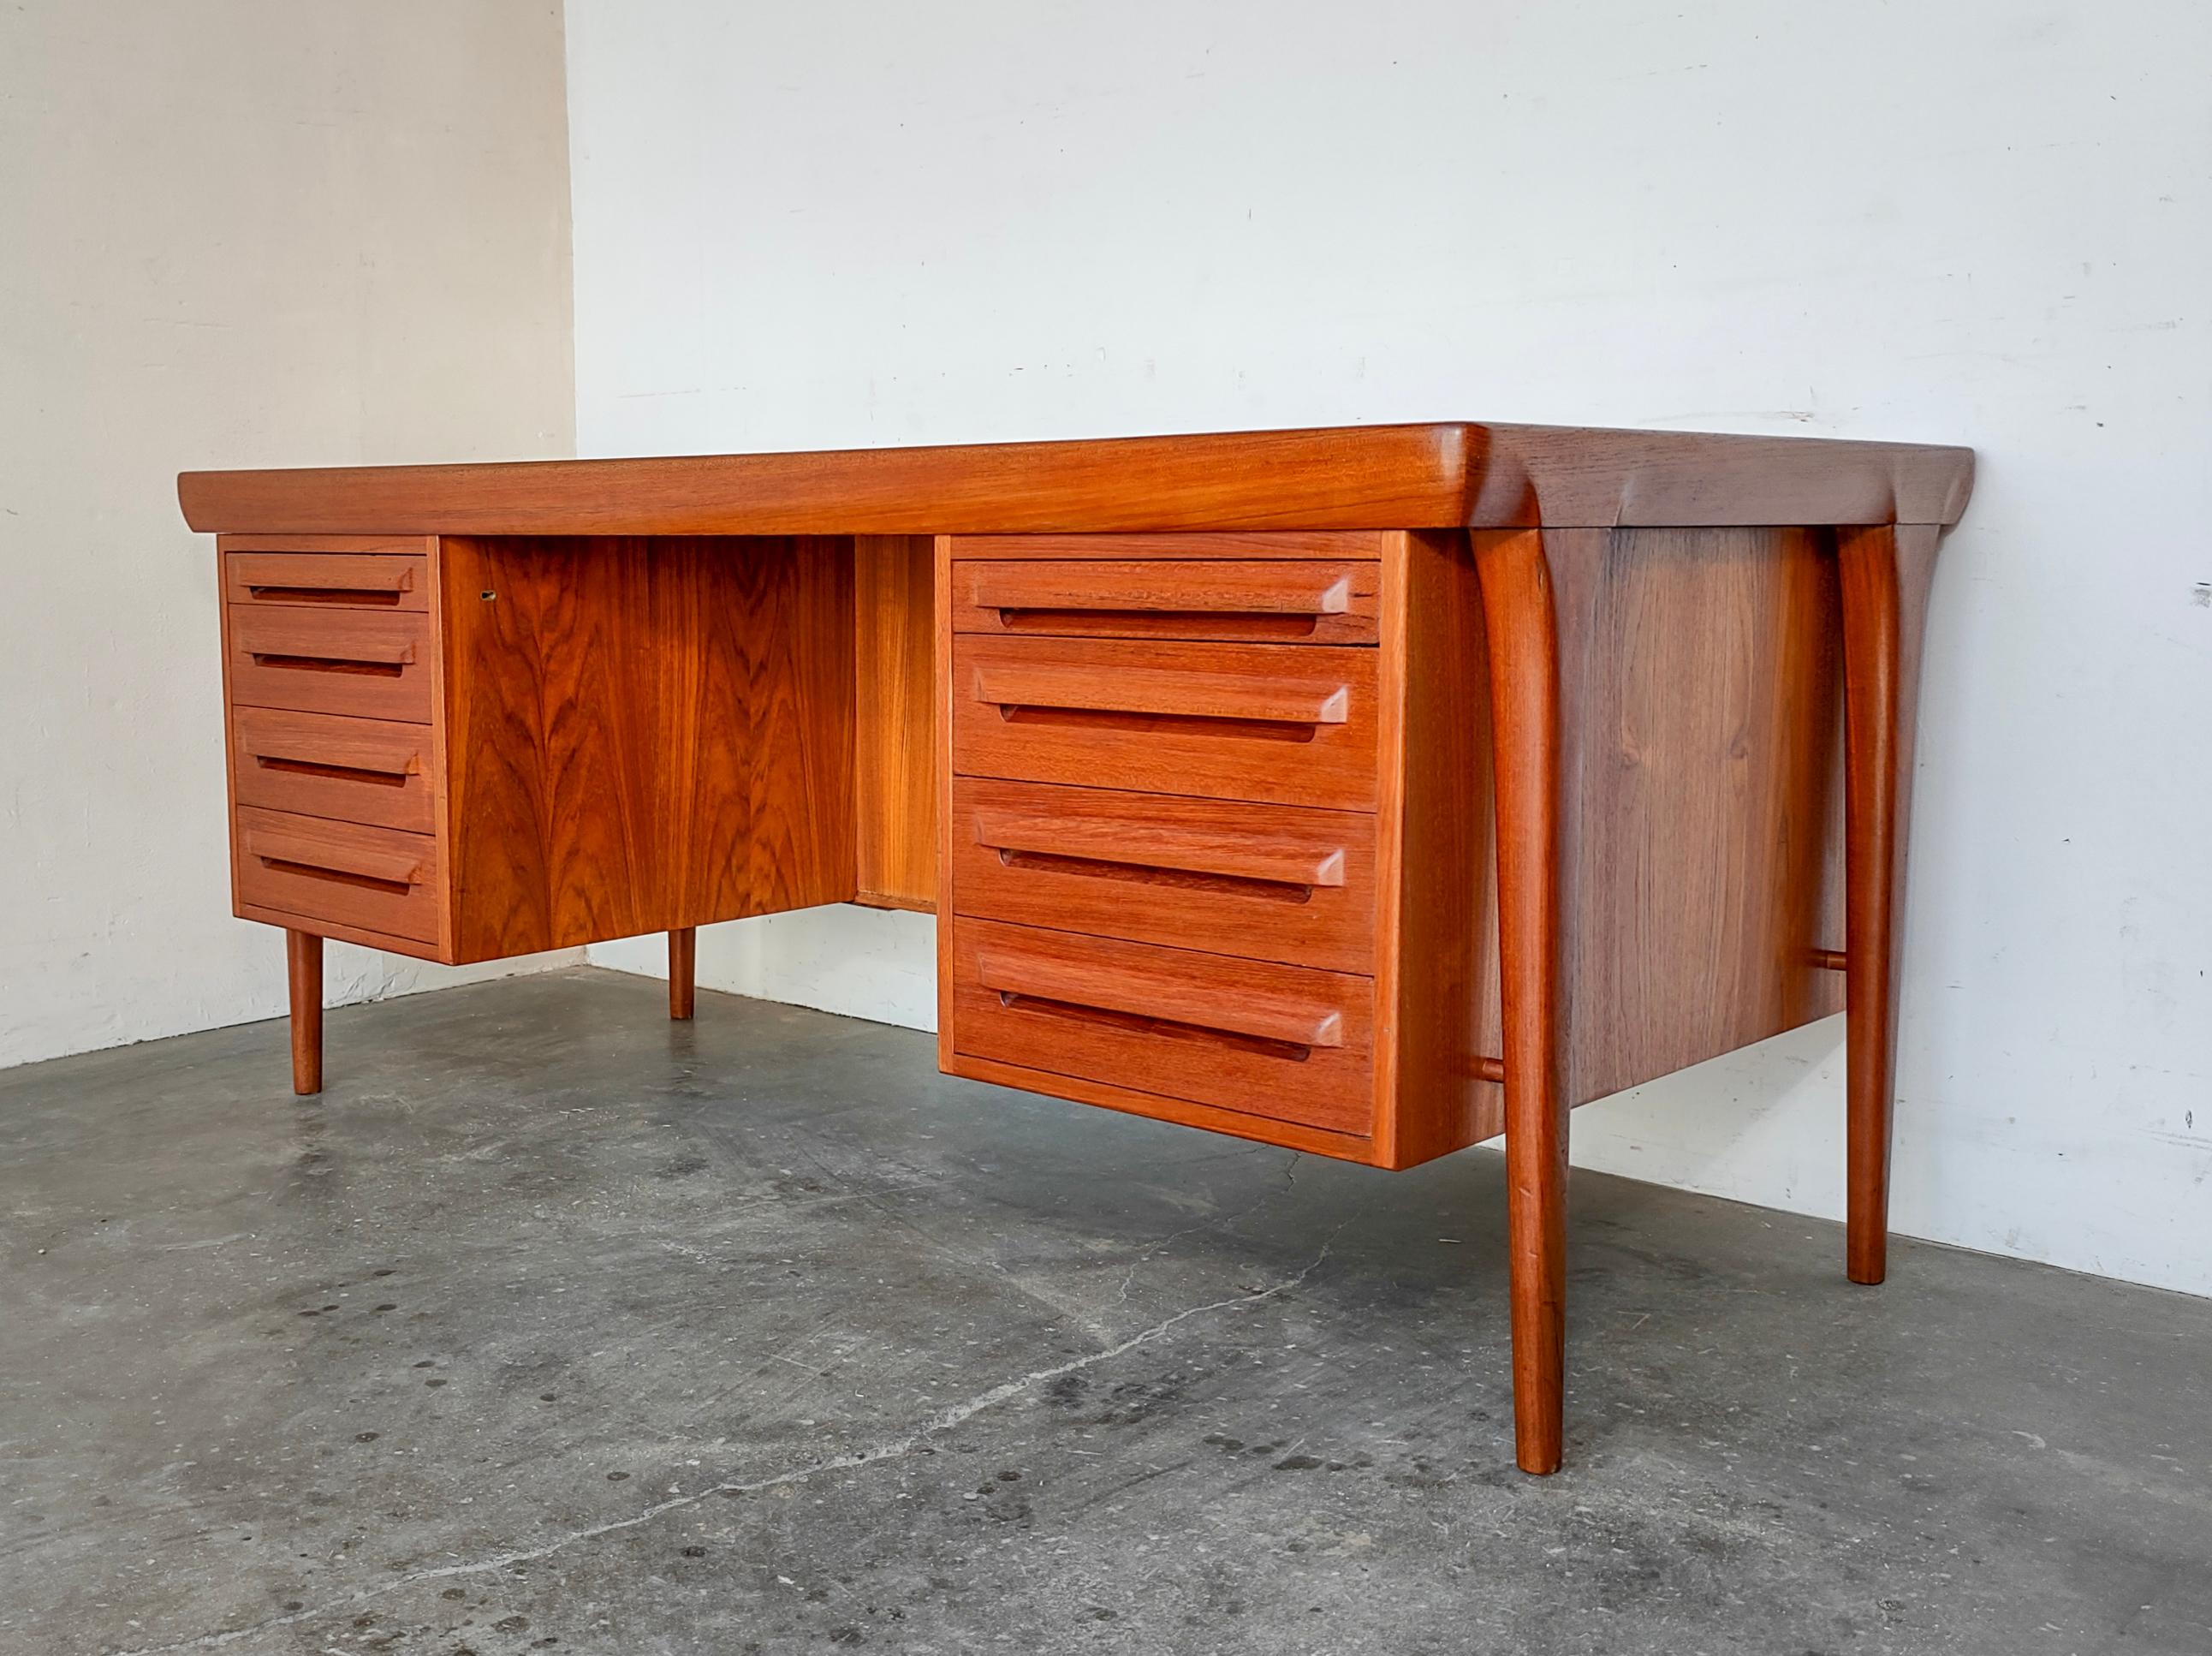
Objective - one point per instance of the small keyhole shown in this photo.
(489, 596)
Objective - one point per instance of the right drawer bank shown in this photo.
(1216, 832)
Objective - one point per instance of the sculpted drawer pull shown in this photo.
(273, 581)
(1161, 692)
(1104, 987)
(304, 586)
(387, 660)
(396, 871)
(1214, 851)
(309, 757)
(378, 778)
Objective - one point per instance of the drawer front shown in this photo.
(1281, 601)
(361, 581)
(1281, 1042)
(1286, 723)
(316, 764)
(331, 660)
(1269, 882)
(377, 880)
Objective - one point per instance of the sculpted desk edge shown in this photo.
(1449, 475)
(1367, 791)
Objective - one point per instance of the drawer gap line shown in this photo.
(1266, 730)
(330, 664)
(1079, 623)
(331, 772)
(1188, 879)
(338, 876)
(1165, 1028)
(351, 597)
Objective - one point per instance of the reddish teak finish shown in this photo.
(1366, 791)
(1524, 700)
(682, 962)
(303, 973)
(1886, 573)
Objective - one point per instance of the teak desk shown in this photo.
(1367, 791)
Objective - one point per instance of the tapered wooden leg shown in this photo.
(1517, 610)
(1884, 574)
(683, 958)
(303, 963)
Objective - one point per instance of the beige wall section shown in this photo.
(237, 233)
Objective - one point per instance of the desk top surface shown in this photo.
(1446, 475)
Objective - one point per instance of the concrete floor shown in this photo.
(554, 1326)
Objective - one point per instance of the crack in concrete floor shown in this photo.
(935, 1425)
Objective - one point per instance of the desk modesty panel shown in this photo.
(1370, 791)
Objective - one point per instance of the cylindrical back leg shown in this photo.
(303, 962)
(682, 957)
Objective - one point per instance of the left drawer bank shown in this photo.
(468, 748)
(331, 679)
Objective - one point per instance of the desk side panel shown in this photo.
(895, 730)
(644, 735)
(1438, 979)
(1701, 683)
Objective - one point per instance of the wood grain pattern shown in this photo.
(1517, 604)
(1284, 1042)
(1285, 723)
(1253, 600)
(1699, 680)
(895, 741)
(1449, 475)
(1586, 477)
(1270, 882)
(645, 735)
(1436, 950)
(303, 982)
(1885, 575)
(316, 765)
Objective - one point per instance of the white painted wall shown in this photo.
(234, 233)
(1969, 220)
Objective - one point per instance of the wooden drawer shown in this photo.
(1282, 1041)
(374, 880)
(361, 581)
(1292, 724)
(316, 764)
(1280, 600)
(1270, 882)
(328, 660)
